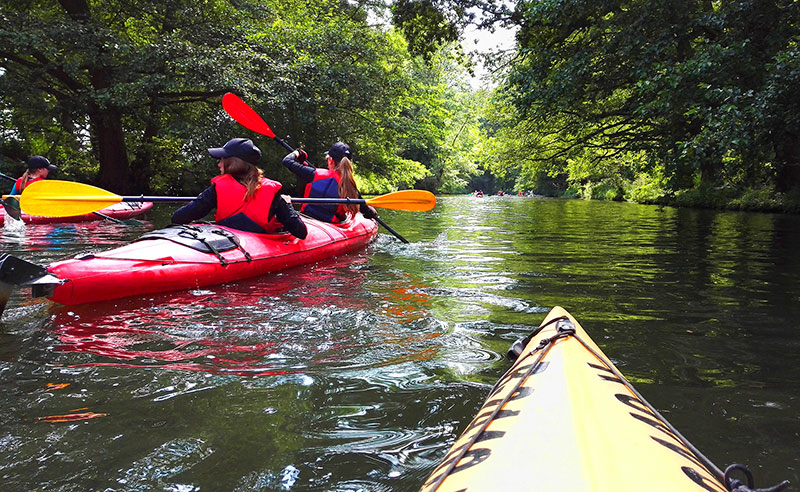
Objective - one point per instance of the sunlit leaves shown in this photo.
(425, 26)
(317, 72)
(695, 85)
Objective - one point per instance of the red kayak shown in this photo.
(120, 211)
(181, 258)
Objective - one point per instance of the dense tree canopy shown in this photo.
(617, 99)
(690, 93)
(127, 94)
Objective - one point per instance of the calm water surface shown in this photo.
(358, 373)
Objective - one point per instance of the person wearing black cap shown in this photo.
(334, 182)
(38, 168)
(244, 198)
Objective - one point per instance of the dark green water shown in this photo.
(358, 373)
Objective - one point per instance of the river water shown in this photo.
(358, 373)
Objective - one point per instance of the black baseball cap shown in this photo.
(40, 162)
(243, 148)
(339, 150)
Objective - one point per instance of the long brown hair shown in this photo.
(24, 182)
(244, 172)
(25, 178)
(347, 183)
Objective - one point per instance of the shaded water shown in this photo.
(358, 373)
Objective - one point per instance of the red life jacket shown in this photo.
(18, 184)
(324, 185)
(230, 201)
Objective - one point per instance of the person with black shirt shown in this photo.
(244, 199)
(334, 182)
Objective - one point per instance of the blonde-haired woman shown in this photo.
(38, 168)
(336, 181)
(244, 198)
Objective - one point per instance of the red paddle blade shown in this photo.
(245, 115)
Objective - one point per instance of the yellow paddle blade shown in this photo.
(54, 198)
(411, 200)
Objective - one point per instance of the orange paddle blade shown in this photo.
(71, 417)
(410, 200)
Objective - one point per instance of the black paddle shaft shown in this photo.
(143, 198)
(355, 201)
(345, 201)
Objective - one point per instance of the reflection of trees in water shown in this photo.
(163, 336)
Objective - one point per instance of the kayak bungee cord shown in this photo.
(502, 402)
(195, 233)
(459, 452)
(732, 484)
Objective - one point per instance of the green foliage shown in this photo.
(425, 26)
(505, 149)
(442, 127)
(705, 90)
(647, 187)
(703, 197)
(791, 202)
(126, 94)
(602, 191)
(572, 192)
(101, 82)
(689, 103)
(764, 199)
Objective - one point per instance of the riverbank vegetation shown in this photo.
(690, 103)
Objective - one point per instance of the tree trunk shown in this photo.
(787, 153)
(111, 151)
(141, 169)
(106, 122)
(708, 172)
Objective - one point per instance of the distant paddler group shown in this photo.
(256, 230)
(242, 196)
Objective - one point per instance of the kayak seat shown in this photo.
(206, 238)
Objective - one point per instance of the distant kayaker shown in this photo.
(334, 182)
(38, 168)
(244, 198)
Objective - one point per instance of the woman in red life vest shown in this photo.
(38, 168)
(334, 182)
(244, 198)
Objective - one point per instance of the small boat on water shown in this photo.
(119, 211)
(180, 258)
(563, 418)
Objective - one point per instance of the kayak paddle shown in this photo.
(248, 118)
(12, 208)
(408, 200)
(11, 203)
(56, 198)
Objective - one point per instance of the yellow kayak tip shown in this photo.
(563, 418)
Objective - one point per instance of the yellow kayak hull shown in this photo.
(564, 419)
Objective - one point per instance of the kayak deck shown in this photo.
(160, 264)
(564, 418)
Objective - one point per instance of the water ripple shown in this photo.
(162, 464)
(358, 373)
